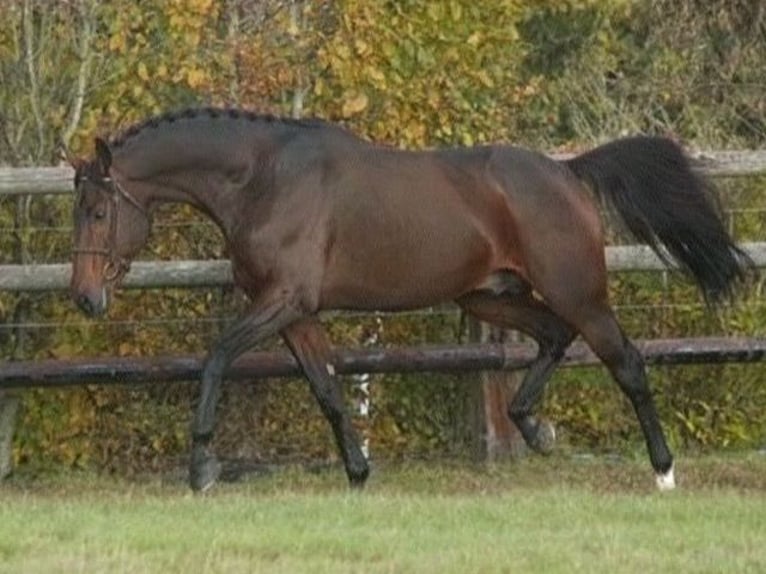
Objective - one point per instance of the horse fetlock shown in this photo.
(204, 469)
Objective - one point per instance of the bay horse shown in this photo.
(315, 218)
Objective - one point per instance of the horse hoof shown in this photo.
(358, 478)
(204, 471)
(545, 437)
(666, 481)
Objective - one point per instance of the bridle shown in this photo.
(116, 266)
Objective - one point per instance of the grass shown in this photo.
(550, 515)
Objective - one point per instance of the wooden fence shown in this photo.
(433, 358)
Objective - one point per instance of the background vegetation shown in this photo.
(550, 74)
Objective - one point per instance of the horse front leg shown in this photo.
(266, 319)
(309, 344)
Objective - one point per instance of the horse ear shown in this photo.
(63, 153)
(103, 156)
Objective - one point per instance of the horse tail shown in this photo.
(649, 183)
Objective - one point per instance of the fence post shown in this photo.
(9, 402)
(9, 406)
(494, 436)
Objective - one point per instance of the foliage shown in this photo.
(685, 69)
(548, 74)
(415, 74)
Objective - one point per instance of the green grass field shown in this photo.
(555, 514)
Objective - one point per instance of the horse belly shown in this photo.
(413, 232)
(405, 268)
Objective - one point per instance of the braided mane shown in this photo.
(212, 113)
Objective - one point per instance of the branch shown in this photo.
(83, 76)
(233, 32)
(13, 150)
(29, 54)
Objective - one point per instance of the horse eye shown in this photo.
(99, 214)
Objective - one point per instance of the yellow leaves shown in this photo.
(195, 77)
(354, 104)
(377, 77)
(319, 87)
(363, 49)
(292, 28)
(414, 134)
(342, 52)
(191, 13)
(143, 72)
(485, 79)
(456, 11)
(117, 43)
(201, 6)
(434, 10)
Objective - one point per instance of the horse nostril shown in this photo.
(85, 304)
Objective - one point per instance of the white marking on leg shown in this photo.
(330, 369)
(666, 481)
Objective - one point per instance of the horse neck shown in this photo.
(194, 167)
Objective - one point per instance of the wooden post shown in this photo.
(9, 406)
(9, 401)
(495, 437)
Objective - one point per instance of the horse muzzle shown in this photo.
(92, 303)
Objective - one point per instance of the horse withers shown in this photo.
(315, 218)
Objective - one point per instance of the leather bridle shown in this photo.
(115, 266)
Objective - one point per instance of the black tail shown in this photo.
(649, 183)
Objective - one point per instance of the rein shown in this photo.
(116, 266)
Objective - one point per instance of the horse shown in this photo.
(316, 218)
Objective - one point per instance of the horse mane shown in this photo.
(212, 113)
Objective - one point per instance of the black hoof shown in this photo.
(358, 477)
(544, 438)
(203, 471)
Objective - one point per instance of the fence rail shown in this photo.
(442, 358)
(58, 180)
(217, 272)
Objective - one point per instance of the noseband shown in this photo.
(116, 266)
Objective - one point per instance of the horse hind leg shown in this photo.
(525, 313)
(604, 335)
(575, 289)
